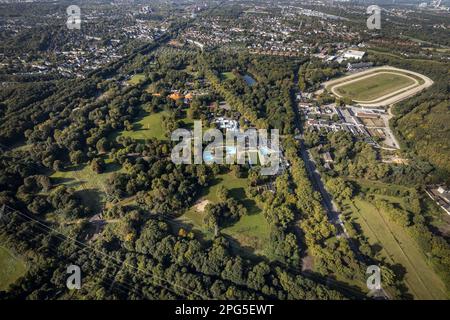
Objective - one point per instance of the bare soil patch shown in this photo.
(201, 205)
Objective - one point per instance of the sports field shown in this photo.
(380, 86)
(374, 86)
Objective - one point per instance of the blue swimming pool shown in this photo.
(264, 151)
(230, 150)
(208, 156)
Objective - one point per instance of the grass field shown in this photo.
(82, 176)
(251, 231)
(228, 75)
(374, 87)
(148, 126)
(398, 248)
(136, 79)
(11, 268)
(90, 185)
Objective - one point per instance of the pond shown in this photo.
(249, 80)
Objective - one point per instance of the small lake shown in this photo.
(249, 80)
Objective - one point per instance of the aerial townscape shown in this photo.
(99, 98)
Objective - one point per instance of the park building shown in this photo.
(327, 157)
(354, 54)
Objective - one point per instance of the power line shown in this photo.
(54, 249)
(119, 262)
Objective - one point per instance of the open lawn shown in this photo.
(149, 125)
(251, 231)
(375, 86)
(83, 177)
(398, 248)
(227, 75)
(136, 79)
(89, 185)
(11, 268)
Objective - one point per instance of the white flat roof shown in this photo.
(355, 53)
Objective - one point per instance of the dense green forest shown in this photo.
(76, 126)
(422, 121)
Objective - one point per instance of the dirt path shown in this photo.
(389, 130)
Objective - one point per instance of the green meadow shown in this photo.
(149, 125)
(228, 75)
(251, 232)
(398, 248)
(89, 185)
(136, 79)
(11, 268)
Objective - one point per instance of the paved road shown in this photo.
(327, 201)
(331, 208)
(333, 213)
(314, 176)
